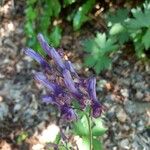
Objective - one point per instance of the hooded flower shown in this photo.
(63, 83)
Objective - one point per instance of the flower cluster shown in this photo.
(63, 83)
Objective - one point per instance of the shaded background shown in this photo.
(24, 120)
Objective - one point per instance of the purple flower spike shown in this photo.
(70, 67)
(69, 82)
(96, 109)
(50, 85)
(51, 52)
(92, 89)
(49, 99)
(64, 84)
(37, 57)
(68, 113)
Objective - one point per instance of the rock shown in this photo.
(111, 113)
(125, 93)
(38, 147)
(124, 144)
(140, 126)
(17, 107)
(1, 98)
(101, 84)
(140, 142)
(133, 108)
(41, 125)
(9, 43)
(121, 115)
(49, 134)
(3, 110)
(4, 145)
(147, 97)
(139, 85)
(139, 95)
(130, 107)
(135, 145)
(126, 128)
(115, 148)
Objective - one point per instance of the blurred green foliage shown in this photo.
(139, 28)
(123, 26)
(132, 26)
(86, 128)
(44, 16)
(81, 128)
(21, 137)
(99, 49)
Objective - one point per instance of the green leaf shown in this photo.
(31, 2)
(81, 15)
(80, 127)
(123, 37)
(76, 104)
(116, 22)
(44, 23)
(55, 36)
(21, 137)
(31, 42)
(79, 19)
(90, 45)
(98, 128)
(118, 16)
(104, 44)
(31, 13)
(146, 39)
(99, 49)
(68, 2)
(139, 48)
(140, 17)
(100, 40)
(89, 61)
(102, 63)
(53, 6)
(97, 145)
(58, 138)
(56, 7)
(29, 29)
(116, 29)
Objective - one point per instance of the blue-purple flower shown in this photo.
(64, 84)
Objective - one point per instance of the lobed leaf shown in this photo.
(97, 145)
(140, 17)
(146, 39)
(118, 16)
(81, 127)
(98, 128)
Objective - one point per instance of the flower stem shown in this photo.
(90, 128)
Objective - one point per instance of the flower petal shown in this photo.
(70, 67)
(30, 52)
(51, 52)
(69, 82)
(55, 88)
(48, 99)
(92, 88)
(68, 113)
(96, 109)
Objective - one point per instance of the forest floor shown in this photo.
(124, 90)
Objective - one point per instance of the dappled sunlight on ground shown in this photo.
(124, 90)
(49, 134)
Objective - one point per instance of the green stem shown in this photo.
(90, 128)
